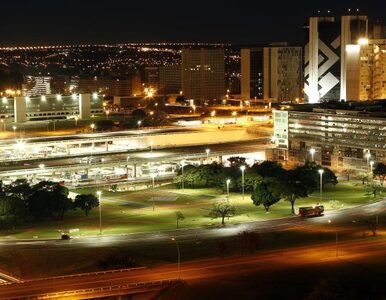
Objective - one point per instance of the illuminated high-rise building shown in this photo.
(326, 53)
(272, 73)
(203, 73)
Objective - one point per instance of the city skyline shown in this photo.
(121, 21)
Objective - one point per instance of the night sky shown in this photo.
(34, 22)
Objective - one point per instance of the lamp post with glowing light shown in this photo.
(139, 123)
(207, 153)
(242, 168)
(371, 166)
(92, 127)
(368, 155)
(99, 193)
(107, 114)
(14, 130)
(321, 171)
(178, 257)
(312, 152)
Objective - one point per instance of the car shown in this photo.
(65, 237)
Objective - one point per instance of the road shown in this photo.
(206, 269)
(342, 217)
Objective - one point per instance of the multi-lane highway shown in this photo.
(208, 269)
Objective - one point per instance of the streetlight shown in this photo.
(312, 152)
(152, 181)
(92, 127)
(336, 240)
(76, 121)
(99, 193)
(14, 130)
(207, 153)
(139, 123)
(368, 155)
(321, 171)
(107, 114)
(242, 168)
(178, 257)
(371, 166)
(228, 182)
(182, 174)
(151, 146)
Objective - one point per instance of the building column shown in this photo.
(20, 109)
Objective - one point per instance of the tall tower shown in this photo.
(325, 55)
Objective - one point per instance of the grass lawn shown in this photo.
(128, 212)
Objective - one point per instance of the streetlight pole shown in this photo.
(312, 152)
(371, 167)
(368, 155)
(139, 123)
(99, 193)
(178, 257)
(228, 182)
(92, 127)
(14, 130)
(242, 168)
(151, 146)
(321, 171)
(207, 153)
(152, 181)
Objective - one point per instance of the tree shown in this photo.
(157, 118)
(293, 184)
(373, 188)
(179, 217)
(222, 210)
(348, 173)
(86, 202)
(20, 189)
(48, 199)
(268, 169)
(237, 161)
(380, 172)
(264, 195)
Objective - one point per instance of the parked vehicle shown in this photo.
(312, 211)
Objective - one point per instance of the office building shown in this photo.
(36, 85)
(110, 86)
(151, 77)
(341, 135)
(272, 73)
(203, 73)
(366, 70)
(169, 80)
(45, 107)
(327, 54)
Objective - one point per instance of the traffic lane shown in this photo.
(342, 217)
(211, 268)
